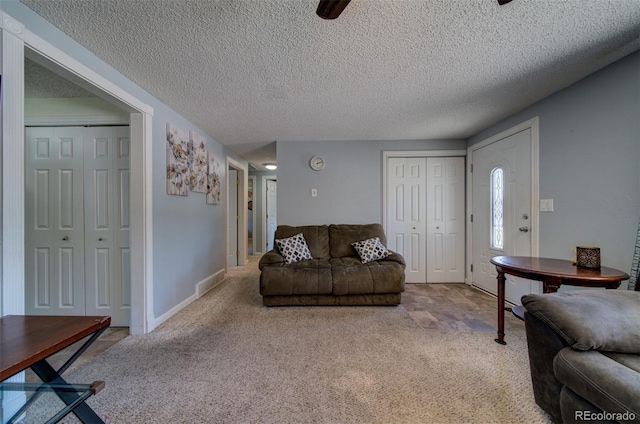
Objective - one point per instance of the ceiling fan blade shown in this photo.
(331, 9)
(503, 2)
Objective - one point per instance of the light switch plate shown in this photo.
(314, 192)
(546, 205)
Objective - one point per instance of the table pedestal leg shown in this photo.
(501, 280)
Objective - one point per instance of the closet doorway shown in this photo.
(424, 213)
(77, 251)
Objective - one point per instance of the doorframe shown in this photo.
(263, 195)
(534, 125)
(386, 154)
(242, 211)
(18, 42)
(253, 180)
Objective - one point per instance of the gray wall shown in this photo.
(189, 236)
(589, 152)
(349, 187)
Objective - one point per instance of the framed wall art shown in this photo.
(178, 166)
(213, 181)
(199, 164)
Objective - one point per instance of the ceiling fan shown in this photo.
(331, 9)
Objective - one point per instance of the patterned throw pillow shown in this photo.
(294, 249)
(371, 250)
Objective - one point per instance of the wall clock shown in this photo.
(316, 163)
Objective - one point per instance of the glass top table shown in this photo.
(27, 341)
(40, 402)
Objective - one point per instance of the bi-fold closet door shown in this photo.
(425, 216)
(77, 251)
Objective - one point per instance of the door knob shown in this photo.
(65, 238)
(524, 229)
(100, 239)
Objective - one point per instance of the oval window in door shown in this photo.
(497, 208)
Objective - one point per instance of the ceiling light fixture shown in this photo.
(270, 166)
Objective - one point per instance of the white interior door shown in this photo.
(272, 212)
(77, 222)
(445, 220)
(406, 214)
(106, 204)
(502, 211)
(233, 218)
(54, 221)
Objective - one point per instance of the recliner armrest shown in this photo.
(272, 257)
(605, 320)
(395, 257)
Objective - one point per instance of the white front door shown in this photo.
(272, 211)
(406, 214)
(445, 220)
(502, 210)
(54, 221)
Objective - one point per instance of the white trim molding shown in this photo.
(243, 174)
(17, 43)
(263, 199)
(12, 280)
(76, 120)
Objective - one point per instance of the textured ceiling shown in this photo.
(249, 72)
(39, 82)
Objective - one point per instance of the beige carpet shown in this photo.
(227, 359)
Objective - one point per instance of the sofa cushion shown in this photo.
(316, 236)
(293, 249)
(370, 250)
(577, 317)
(350, 276)
(602, 380)
(342, 235)
(309, 277)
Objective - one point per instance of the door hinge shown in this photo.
(237, 217)
(471, 267)
(471, 217)
(471, 167)
(237, 182)
(237, 253)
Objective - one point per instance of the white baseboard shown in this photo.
(201, 288)
(171, 312)
(210, 282)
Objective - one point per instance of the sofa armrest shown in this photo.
(272, 257)
(395, 257)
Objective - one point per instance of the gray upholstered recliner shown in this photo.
(584, 354)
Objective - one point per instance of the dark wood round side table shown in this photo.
(553, 273)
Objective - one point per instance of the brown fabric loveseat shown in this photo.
(335, 275)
